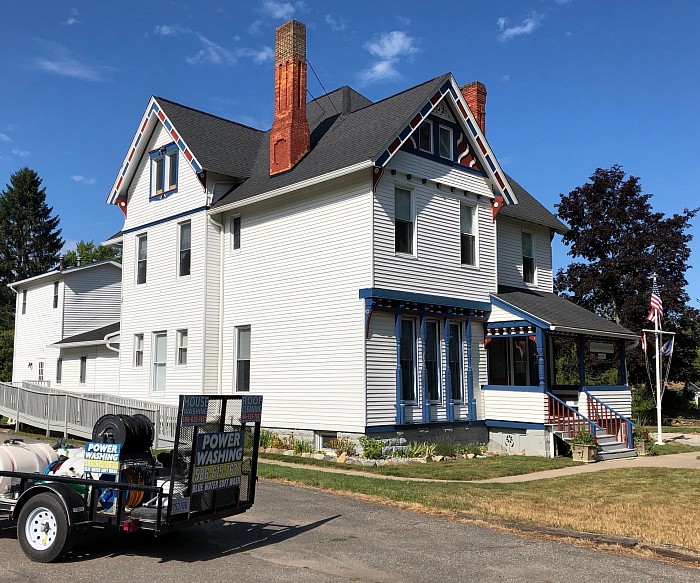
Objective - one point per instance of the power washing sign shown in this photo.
(218, 461)
(194, 410)
(251, 408)
(102, 458)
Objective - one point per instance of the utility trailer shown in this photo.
(116, 482)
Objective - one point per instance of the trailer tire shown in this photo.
(43, 530)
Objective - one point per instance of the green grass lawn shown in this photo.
(656, 505)
(474, 469)
(672, 447)
(674, 429)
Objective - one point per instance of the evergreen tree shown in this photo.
(88, 253)
(621, 242)
(30, 240)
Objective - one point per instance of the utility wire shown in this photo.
(321, 84)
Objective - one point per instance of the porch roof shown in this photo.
(555, 313)
(91, 337)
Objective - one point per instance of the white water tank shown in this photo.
(20, 457)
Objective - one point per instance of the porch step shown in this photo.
(615, 454)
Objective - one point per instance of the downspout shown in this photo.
(220, 363)
(110, 347)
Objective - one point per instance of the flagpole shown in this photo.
(657, 333)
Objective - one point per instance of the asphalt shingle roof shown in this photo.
(560, 312)
(531, 210)
(92, 335)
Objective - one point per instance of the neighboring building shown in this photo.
(54, 313)
(366, 267)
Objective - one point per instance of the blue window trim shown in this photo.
(164, 152)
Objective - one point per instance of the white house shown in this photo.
(67, 328)
(368, 268)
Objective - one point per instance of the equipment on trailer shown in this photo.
(115, 481)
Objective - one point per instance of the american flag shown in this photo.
(656, 311)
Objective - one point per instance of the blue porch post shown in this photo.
(424, 374)
(449, 402)
(471, 403)
(623, 363)
(400, 413)
(539, 336)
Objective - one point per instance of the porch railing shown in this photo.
(610, 420)
(568, 420)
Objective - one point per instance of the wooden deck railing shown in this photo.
(568, 420)
(610, 420)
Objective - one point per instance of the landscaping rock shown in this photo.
(438, 458)
(349, 462)
(320, 456)
(306, 454)
(369, 463)
(288, 452)
(470, 456)
(342, 458)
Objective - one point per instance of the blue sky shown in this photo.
(573, 85)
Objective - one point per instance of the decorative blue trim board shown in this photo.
(389, 294)
(513, 424)
(514, 388)
(165, 220)
(594, 389)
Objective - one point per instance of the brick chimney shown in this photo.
(475, 95)
(289, 136)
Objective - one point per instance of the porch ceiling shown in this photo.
(560, 314)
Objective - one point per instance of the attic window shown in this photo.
(164, 170)
(445, 142)
(425, 136)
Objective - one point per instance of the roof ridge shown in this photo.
(402, 92)
(208, 114)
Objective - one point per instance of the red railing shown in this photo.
(568, 420)
(610, 420)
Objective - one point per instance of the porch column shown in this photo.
(471, 403)
(449, 402)
(425, 404)
(539, 336)
(400, 407)
(623, 363)
(581, 353)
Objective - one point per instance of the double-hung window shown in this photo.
(182, 347)
(445, 142)
(141, 258)
(138, 350)
(468, 232)
(431, 357)
(528, 242)
(59, 370)
(455, 350)
(243, 358)
(55, 294)
(425, 136)
(160, 356)
(40, 375)
(407, 359)
(164, 162)
(83, 369)
(24, 301)
(185, 244)
(404, 221)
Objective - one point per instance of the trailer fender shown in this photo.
(74, 504)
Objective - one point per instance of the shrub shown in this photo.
(279, 442)
(584, 438)
(472, 448)
(266, 438)
(422, 448)
(446, 446)
(371, 448)
(342, 445)
(303, 446)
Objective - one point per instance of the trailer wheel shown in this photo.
(42, 528)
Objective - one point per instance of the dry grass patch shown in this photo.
(655, 505)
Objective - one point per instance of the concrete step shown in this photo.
(615, 454)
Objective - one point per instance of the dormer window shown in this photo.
(164, 170)
(425, 136)
(445, 142)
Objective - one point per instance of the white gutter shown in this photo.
(295, 186)
(220, 363)
(593, 332)
(83, 344)
(107, 342)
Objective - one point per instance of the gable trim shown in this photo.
(153, 111)
(482, 149)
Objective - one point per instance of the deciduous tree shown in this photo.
(87, 252)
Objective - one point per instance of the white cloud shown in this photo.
(505, 78)
(404, 20)
(527, 26)
(5, 138)
(62, 62)
(336, 24)
(391, 45)
(74, 17)
(21, 153)
(254, 28)
(211, 52)
(282, 10)
(83, 180)
(380, 71)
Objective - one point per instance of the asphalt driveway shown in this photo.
(294, 534)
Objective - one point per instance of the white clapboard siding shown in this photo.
(479, 366)
(36, 330)
(518, 406)
(295, 282)
(436, 268)
(620, 401)
(166, 302)
(92, 299)
(213, 308)
(510, 255)
(102, 370)
(498, 314)
(141, 209)
(381, 370)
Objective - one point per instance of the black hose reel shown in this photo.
(134, 433)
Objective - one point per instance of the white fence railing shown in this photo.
(76, 413)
